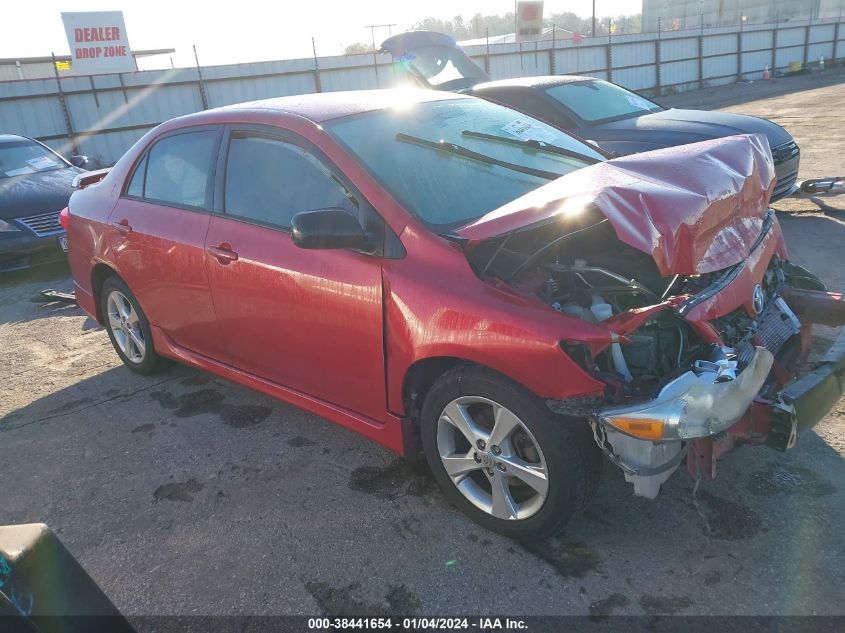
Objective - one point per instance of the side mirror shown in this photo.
(329, 228)
(78, 161)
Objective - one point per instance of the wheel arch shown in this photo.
(422, 374)
(99, 274)
(420, 377)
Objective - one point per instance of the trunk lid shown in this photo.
(695, 209)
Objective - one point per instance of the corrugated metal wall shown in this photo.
(103, 115)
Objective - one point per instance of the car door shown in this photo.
(310, 320)
(157, 236)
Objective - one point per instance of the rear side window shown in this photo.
(136, 185)
(177, 170)
(269, 181)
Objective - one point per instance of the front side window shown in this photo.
(269, 181)
(449, 162)
(594, 100)
(178, 170)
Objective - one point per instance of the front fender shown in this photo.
(503, 337)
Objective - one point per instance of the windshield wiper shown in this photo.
(458, 150)
(533, 144)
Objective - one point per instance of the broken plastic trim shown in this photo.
(694, 404)
(600, 437)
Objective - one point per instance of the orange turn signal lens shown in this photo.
(643, 428)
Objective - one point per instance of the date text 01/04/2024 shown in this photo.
(418, 623)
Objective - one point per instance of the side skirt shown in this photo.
(392, 433)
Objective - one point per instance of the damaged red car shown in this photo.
(444, 274)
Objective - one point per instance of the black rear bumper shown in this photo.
(806, 400)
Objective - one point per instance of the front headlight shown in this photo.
(698, 403)
(5, 227)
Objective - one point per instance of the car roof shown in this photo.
(6, 138)
(325, 106)
(543, 81)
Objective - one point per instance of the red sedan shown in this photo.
(442, 273)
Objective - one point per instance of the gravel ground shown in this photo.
(184, 494)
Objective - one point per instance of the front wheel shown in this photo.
(502, 457)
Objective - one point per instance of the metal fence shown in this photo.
(103, 115)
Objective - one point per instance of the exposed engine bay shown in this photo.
(664, 364)
(589, 274)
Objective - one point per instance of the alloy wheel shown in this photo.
(126, 327)
(492, 458)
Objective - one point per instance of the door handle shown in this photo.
(122, 226)
(223, 253)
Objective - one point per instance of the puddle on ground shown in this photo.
(178, 491)
(299, 442)
(195, 380)
(664, 605)
(779, 478)
(400, 478)
(70, 406)
(338, 601)
(730, 521)
(601, 609)
(569, 558)
(242, 416)
(193, 403)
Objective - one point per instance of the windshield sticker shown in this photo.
(639, 102)
(528, 131)
(19, 172)
(42, 162)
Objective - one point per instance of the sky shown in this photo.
(251, 30)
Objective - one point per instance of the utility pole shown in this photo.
(373, 28)
(593, 32)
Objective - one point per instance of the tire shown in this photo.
(542, 452)
(128, 328)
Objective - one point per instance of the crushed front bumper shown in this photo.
(805, 401)
(648, 440)
(698, 403)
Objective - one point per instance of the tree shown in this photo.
(480, 25)
(570, 22)
(476, 27)
(357, 48)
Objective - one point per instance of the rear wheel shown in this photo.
(128, 328)
(502, 457)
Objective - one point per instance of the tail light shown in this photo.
(64, 218)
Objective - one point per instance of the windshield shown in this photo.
(594, 100)
(442, 64)
(26, 157)
(450, 162)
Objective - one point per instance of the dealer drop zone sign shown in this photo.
(98, 42)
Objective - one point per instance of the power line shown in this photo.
(373, 28)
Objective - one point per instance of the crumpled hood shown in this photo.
(695, 208)
(29, 194)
